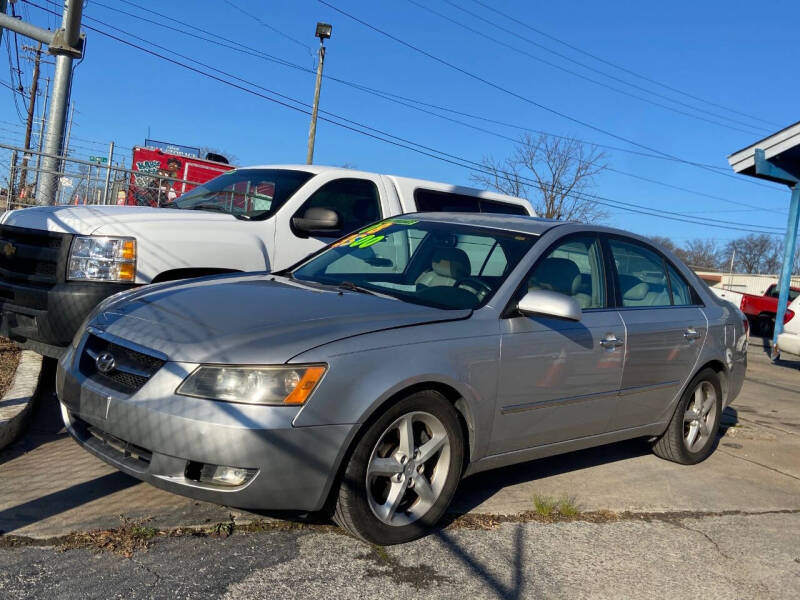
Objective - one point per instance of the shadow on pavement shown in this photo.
(513, 591)
(45, 424)
(38, 509)
(788, 361)
(478, 488)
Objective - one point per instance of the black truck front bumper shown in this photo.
(46, 320)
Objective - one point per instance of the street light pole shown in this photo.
(323, 32)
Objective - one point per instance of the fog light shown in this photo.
(218, 474)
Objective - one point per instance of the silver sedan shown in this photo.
(373, 376)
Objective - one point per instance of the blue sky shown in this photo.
(724, 51)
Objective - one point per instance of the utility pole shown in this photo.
(65, 149)
(71, 46)
(65, 44)
(41, 135)
(323, 33)
(31, 111)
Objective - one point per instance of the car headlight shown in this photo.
(286, 385)
(102, 258)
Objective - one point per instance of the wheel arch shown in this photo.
(721, 370)
(456, 398)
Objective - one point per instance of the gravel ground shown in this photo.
(9, 359)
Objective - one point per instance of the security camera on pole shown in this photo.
(323, 33)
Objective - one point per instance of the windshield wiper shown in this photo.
(350, 286)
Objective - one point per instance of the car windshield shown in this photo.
(245, 193)
(442, 265)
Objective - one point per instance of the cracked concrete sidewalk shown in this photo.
(727, 556)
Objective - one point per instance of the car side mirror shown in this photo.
(544, 303)
(318, 221)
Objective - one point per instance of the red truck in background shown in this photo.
(149, 186)
(761, 310)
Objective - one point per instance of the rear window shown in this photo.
(774, 291)
(436, 201)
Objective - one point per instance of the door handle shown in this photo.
(691, 334)
(611, 342)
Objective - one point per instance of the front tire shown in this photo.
(403, 472)
(690, 436)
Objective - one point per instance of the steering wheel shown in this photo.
(473, 284)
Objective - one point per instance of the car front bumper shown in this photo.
(154, 434)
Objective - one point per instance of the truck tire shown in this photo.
(766, 325)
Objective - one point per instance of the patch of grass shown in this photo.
(544, 505)
(551, 507)
(567, 506)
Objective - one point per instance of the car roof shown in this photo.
(519, 223)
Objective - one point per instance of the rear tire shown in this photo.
(766, 326)
(403, 471)
(692, 432)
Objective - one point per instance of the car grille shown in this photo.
(131, 371)
(32, 255)
(131, 455)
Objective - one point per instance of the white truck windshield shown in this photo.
(246, 193)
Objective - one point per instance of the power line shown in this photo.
(15, 89)
(507, 90)
(270, 27)
(584, 77)
(419, 148)
(75, 124)
(611, 169)
(236, 46)
(248, 50)
(530, 27)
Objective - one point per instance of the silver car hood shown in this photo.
(252, 319)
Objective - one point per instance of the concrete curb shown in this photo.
(17, 403)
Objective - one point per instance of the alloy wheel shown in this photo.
(408, 468)
(700, 416)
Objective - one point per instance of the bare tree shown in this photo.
(701, 254)
(664, 242)
(553, 173)
(755, 253)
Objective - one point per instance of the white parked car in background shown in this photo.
(789, 340)
(59, 262)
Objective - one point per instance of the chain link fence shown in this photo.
(83, 182)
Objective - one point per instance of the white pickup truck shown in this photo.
(59, 262)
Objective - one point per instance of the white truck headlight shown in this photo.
(102, 258)
(279, 385)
